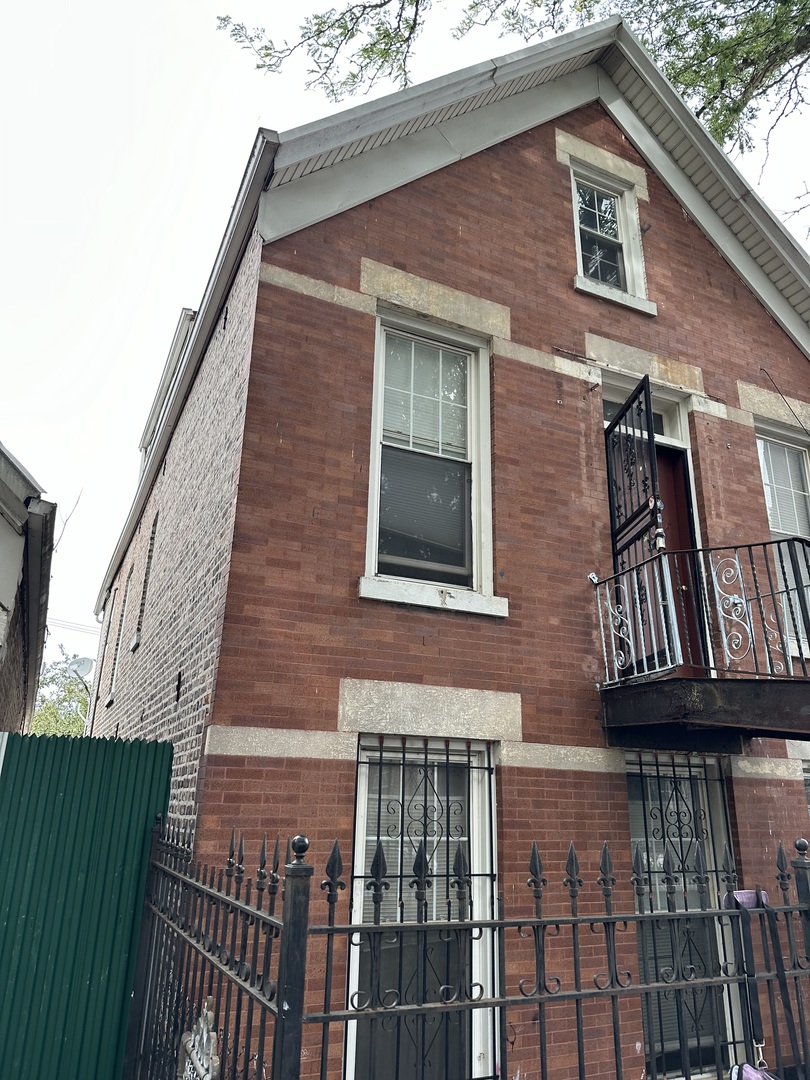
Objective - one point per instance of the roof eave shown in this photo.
(237, 234)
(367, 119)
(37, 579)
(786, 245)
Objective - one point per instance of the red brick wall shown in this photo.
(499, 226)
(765, 812)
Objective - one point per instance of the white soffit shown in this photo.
(320, 194)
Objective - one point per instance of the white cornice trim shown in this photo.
(703, 214)
(322, 194)
(322, 137)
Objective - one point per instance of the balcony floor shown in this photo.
(706, 714)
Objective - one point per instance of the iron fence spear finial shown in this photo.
(606, 878)
(421, 881)
(333, 882)
(537, 881)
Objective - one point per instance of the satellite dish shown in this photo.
(81, 666)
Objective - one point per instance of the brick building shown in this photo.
(26, 547)
(467, 493)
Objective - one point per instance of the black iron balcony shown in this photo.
(709, 638)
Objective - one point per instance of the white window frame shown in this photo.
(671, 404)
(780, 437)
(791, 440)
(634, 294)
(479, 599)
(483, 852)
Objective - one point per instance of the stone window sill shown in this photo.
(615, 296)
(425, 594)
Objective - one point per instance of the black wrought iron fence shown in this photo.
(586, 981)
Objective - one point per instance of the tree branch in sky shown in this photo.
(727, 58)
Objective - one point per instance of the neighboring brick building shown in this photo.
(374, 487)
(26, 547)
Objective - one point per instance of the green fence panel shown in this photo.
(75, 825)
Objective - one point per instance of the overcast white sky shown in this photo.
(124, 132)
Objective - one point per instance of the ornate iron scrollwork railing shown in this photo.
(741, 610)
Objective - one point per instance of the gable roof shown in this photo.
(324, 168)
(316, 171)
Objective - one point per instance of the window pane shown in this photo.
(586, 198)
(785, 480)
(599, 236)
(425, 370)
(425, 424)
(424, 517)
(454, 431)
(425, 397)
(398, 352)
(408, 803)
(454, 377)
(396, 417)
(608, 223)
(602, 260)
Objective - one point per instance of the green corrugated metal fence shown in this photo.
(75, 822)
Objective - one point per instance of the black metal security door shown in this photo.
(679, 831)
(636, 528)
(425, 821)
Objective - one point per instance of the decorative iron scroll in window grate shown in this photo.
(424, 854)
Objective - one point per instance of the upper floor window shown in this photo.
(426, 471)
(430, 517)
(608, 238)
(787, 492)
(606, 191)
(600, 235)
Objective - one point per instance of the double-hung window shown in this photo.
(606, 191)
(786, 480)
(608, 239)
(425, 469)
(600, 235)
(430, 522)
(787, 492)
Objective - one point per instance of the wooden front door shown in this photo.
(687, 585)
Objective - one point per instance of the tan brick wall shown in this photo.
(164, 688)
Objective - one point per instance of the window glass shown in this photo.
(424, 517)
(611, 409)
(599, 236)
(785, 479)
(425, 511)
